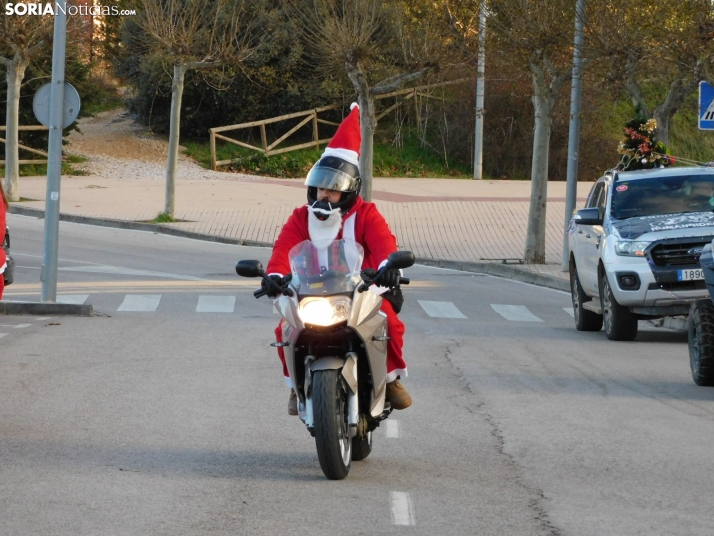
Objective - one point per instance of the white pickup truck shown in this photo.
(635, 248)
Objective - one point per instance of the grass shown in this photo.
(411, 161)
(31, 170)
(162, 217)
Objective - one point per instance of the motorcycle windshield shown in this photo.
(324, 267)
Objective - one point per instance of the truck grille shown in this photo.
(676, 254)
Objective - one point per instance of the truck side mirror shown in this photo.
(587, 216)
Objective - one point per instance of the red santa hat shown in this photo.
(345, 144)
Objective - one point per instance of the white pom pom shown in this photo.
(353, 106)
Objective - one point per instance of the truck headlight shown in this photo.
(325, 311)
(629, 248)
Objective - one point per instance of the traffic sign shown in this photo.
(706, 106)
(70, 110)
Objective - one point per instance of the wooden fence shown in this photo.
(311, 116)
(26, 148)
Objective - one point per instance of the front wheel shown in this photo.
(620, 323)
(332, 431)
(584, 320)
(700, 326)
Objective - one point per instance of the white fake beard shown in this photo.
(327, 229)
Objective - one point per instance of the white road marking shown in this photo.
(146, 303)
(15, 325)
(76, 299)
(216, 304)
(118, 270)
(20, 326)
(515, 313)
(42, 318)
(440, 309)
(569, 310)
(402, 508)
(2, 335)
(392, 429)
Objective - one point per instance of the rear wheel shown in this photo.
(620, 323)
(584, 320)
(332, 432)
(362, 441)
(700, 326)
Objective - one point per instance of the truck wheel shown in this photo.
(700, 326)
(584, 320)
(620, 323)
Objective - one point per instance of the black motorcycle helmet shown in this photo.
(333, 173)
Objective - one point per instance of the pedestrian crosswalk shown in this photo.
(228, 304)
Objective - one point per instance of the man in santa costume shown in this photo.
(335, 211)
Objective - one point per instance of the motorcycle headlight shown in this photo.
(628, 248)
(325, 311)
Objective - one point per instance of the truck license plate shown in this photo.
(690, 275)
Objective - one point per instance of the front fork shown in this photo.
(348, 367)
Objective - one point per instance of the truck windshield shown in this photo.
(662, 195)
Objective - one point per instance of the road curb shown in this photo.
(137, 226)
(510, 271)
(41, 308)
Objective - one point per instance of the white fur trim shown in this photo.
(288, 382)
(345, 154)
(324, 230)
(353, 106)
(348, 228)
(398, 372)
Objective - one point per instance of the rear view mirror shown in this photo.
(401, 259)
(587, 216)
(249, 268)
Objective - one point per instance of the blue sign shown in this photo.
(706, 106)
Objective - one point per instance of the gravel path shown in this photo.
(117, 146)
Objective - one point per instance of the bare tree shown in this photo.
(21, 38)
(195, 34)
(656, 43)
(538, 36)
(380, 44)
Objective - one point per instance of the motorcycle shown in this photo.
(334, 338)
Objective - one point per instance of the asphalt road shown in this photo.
(173, 421)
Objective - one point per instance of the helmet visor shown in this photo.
(331, 179)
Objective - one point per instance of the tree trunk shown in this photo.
(14, 75)
(174, 129)
(368, 124)
(535, 238)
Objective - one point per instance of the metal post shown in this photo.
(54, 158)
(571, 186)
(478, 136)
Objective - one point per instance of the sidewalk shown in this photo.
(473, 225)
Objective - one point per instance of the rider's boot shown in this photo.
(398, 395)
(292, 403)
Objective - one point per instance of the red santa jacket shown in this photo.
(363, 223)
(3, 216)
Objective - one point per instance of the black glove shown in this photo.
(271, 290)
(390, 278)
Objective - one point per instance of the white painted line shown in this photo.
(402, 509)
(440, 309)
(516, 313)
(392, 429)
(146, 303)
(2, 335)
(20, 326)
(216, 304)
(77, 299)
(118, 270)
(42, 318)
(569, 310)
